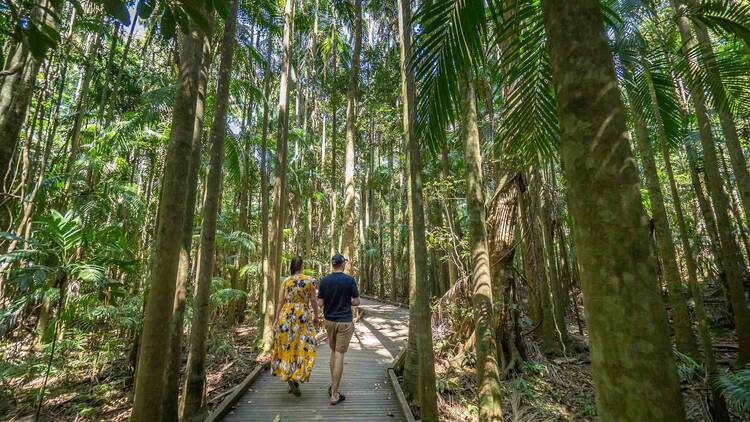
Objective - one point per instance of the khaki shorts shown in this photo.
(339, 334)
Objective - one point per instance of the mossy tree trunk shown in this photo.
(153, 361)
(171, 399)
(276, 231)
(352, 95)
(684, 339)
(730, 253)
(488, 370)
(633, 369)
(193, 406)
(419, 308)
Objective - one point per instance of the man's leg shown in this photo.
(331, 360)
(337, 370)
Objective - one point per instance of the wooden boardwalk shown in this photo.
(369, 396)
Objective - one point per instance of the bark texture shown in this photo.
(153, 361)
(631, 357)
(193, 406)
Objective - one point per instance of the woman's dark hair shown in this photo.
(296, 265)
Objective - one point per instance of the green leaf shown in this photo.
(145, 8)
(118, 10)
(168, 24)
(222, 7)
(182, 19)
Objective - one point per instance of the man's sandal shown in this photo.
(341, 398)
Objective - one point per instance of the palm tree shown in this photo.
(153, 362)
(171, 404)
(617, 270)
(729, 251)
(352, 94)
(419, 309)
(193, 406)
(276, 232)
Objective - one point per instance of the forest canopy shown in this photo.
(558, 191)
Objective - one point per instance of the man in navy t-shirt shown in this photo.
(337, 293)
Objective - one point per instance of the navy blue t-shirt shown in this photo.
(337, 291)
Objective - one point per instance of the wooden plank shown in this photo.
(370, 393)
(400, 395)
(228, 402)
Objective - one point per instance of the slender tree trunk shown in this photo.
(276, 233)
(153, 361)
(718, 405)
(84, 85)
(728, 126)
(15, 97)
(681, 323)
(171, 399)
(624, 310)
(392, 224)
(193, 406)
(419, 310)
(266, 298)
(731, 258)
(488, 368)
(352, 95)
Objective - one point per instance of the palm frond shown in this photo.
(448, 43)
(529, 127)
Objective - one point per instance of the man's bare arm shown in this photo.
(355, 301)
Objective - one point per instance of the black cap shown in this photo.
(338, 259)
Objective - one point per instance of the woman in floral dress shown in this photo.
(294, 344)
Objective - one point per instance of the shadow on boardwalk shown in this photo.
(369, 396)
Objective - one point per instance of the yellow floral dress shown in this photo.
(294, 347)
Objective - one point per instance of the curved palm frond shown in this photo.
(447, 44)
(529, 126)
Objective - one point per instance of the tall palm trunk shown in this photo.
(681, 323)
(153, 361)
(276, 232)
(728, 126)
(719, 409)
(171, 402)
(264, 254)
(419, 309)
(82, 93)
(624, 310)
(193, 406)
(488, 370)
(730, 254)
(352, 95)
(15, 97)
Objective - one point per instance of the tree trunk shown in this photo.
(276, 233)
(352, 95)
(419, 310)
(171, 396)
(681, 323)
(488, 370)
(193, 406)
(718, 405)
(502, 223)
(728, 126)
(153, 361)
(15, 97)
(266, 298)
(730, 254)
(624, 310)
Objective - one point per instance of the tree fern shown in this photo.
(735, 387)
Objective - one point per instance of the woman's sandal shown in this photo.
(341, 398)
(295, 390)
